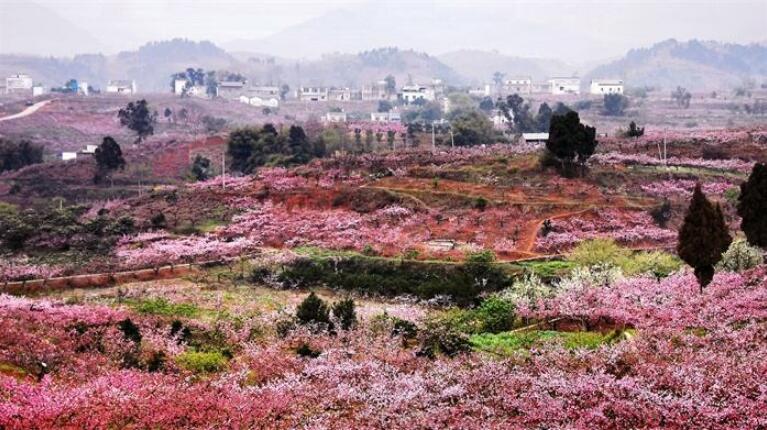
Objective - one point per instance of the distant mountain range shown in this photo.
(699, 65)
(479, 66)
(694, 64)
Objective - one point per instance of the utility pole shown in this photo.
(223, 171)
(433, 141)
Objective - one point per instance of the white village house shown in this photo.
(264, 91)
(312, 94)
(231, 90)
(561, 86)
(481, 91)
(606, 86)
(179, 86)
(385, 117)
(411, 93)
(376, 91)
(518, 85)
(257, 101)
(18, 83)
(124, 87)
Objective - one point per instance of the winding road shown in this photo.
(28, 111)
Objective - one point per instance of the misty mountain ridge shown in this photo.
(479, 66)
(698, 65)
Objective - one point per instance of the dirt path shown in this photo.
(26, 112)
(530, 233)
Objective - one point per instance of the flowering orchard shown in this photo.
(693, 361)
(627, 228)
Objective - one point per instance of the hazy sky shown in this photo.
(601, 28)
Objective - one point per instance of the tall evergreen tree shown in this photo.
(704, 237)
(752, 206)
(298, 145)
(109, 157)
(570, 142)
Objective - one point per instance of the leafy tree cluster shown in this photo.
(570, 143)
(704, 237)
(60, 229)
(522, 119)
(682, 97)
(17, 154)
(201, 169)
(138, 117)
(615, 104)
(314, 311)
(425, 112)
(462, 282)
(634, 130)
(384, 106)
(471, 128)
(213, 124)
(109, 157)
(250, 148)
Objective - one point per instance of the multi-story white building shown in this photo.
(124, 87)
(384, 117)
(560, 86)
(231, 90)
(606, 86)
(411, 93)
(376, 91)
(270, 102)
(264, 91)
(518, 85)
(481, 91)
(340, 94)
(312, 94)
(18, 83)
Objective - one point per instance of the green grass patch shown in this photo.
(202, 362)
(160, 306)
(546, 268)
(508, 343)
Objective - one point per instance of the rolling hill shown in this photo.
(479, 66)
(697, 65)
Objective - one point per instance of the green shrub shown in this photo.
(480, 203)
(160, 306)
(306, 351)
(732, 195)
(392, 278)
(657, 263)
(598, 251)
(404, 328)
(741, 256)
(345, 314)
(513, 342)
(442, 339)
(494, 315)
(130, 330)
(313, 310)
(202, 362)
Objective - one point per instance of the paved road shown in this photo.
(26, 112)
